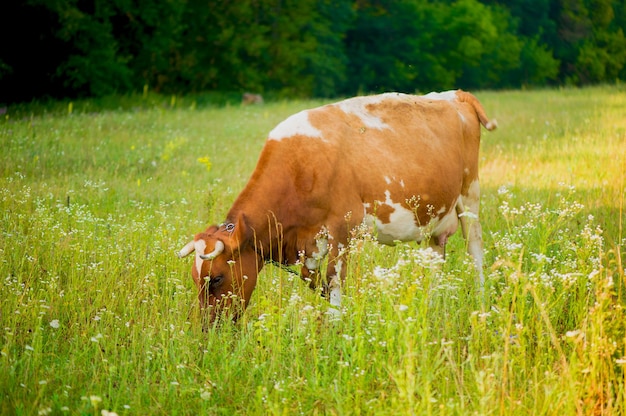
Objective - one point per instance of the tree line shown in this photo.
(305, 48)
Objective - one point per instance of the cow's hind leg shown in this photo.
(467, 209)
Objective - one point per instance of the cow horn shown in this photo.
(189, 247)
(219, 247)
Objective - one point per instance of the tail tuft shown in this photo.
(491, 125)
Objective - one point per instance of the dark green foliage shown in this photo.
(290, 48)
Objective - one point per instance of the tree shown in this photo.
(602, 56)
(30, 53)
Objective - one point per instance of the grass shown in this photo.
(98, 315)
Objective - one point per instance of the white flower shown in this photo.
(503, 190)
(469, 215)
(402, 308)
(55, 323)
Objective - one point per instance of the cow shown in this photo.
(404, 165)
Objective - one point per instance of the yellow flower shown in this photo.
(206, 162)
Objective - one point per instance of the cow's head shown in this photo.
(225, 269)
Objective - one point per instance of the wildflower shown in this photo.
(95, 400)
(171, 147)
(504, 191)
(380, 273)
(206, 162)
(107, 413)
(403, 308)
(428, 257)
(469, 215)
(572, 334)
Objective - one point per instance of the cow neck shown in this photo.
(266, 237)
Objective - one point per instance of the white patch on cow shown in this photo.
(444, 96)
(357, 106)
(448, 224)
(312, 263)
(338, 267)
(473, 194)
(200, 245)
(401, 225)
(402, 183)
(388, 180)
(297, 124)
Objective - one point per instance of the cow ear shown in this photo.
(241, 233)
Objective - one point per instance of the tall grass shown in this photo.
(98, 315)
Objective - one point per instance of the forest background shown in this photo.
(304, 48)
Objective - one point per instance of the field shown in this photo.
(99, 316)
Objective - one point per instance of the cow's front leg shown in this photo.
(335, 276)
(311, 257)
(311, 276)
(331, 286)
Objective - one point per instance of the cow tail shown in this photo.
(480, 111)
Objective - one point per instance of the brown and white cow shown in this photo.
(405, 165)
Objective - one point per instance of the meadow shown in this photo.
(98, 316)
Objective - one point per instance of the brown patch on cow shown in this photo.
(383, 212)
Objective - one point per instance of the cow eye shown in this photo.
(216, 280)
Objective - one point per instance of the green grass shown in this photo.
(98, 314)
